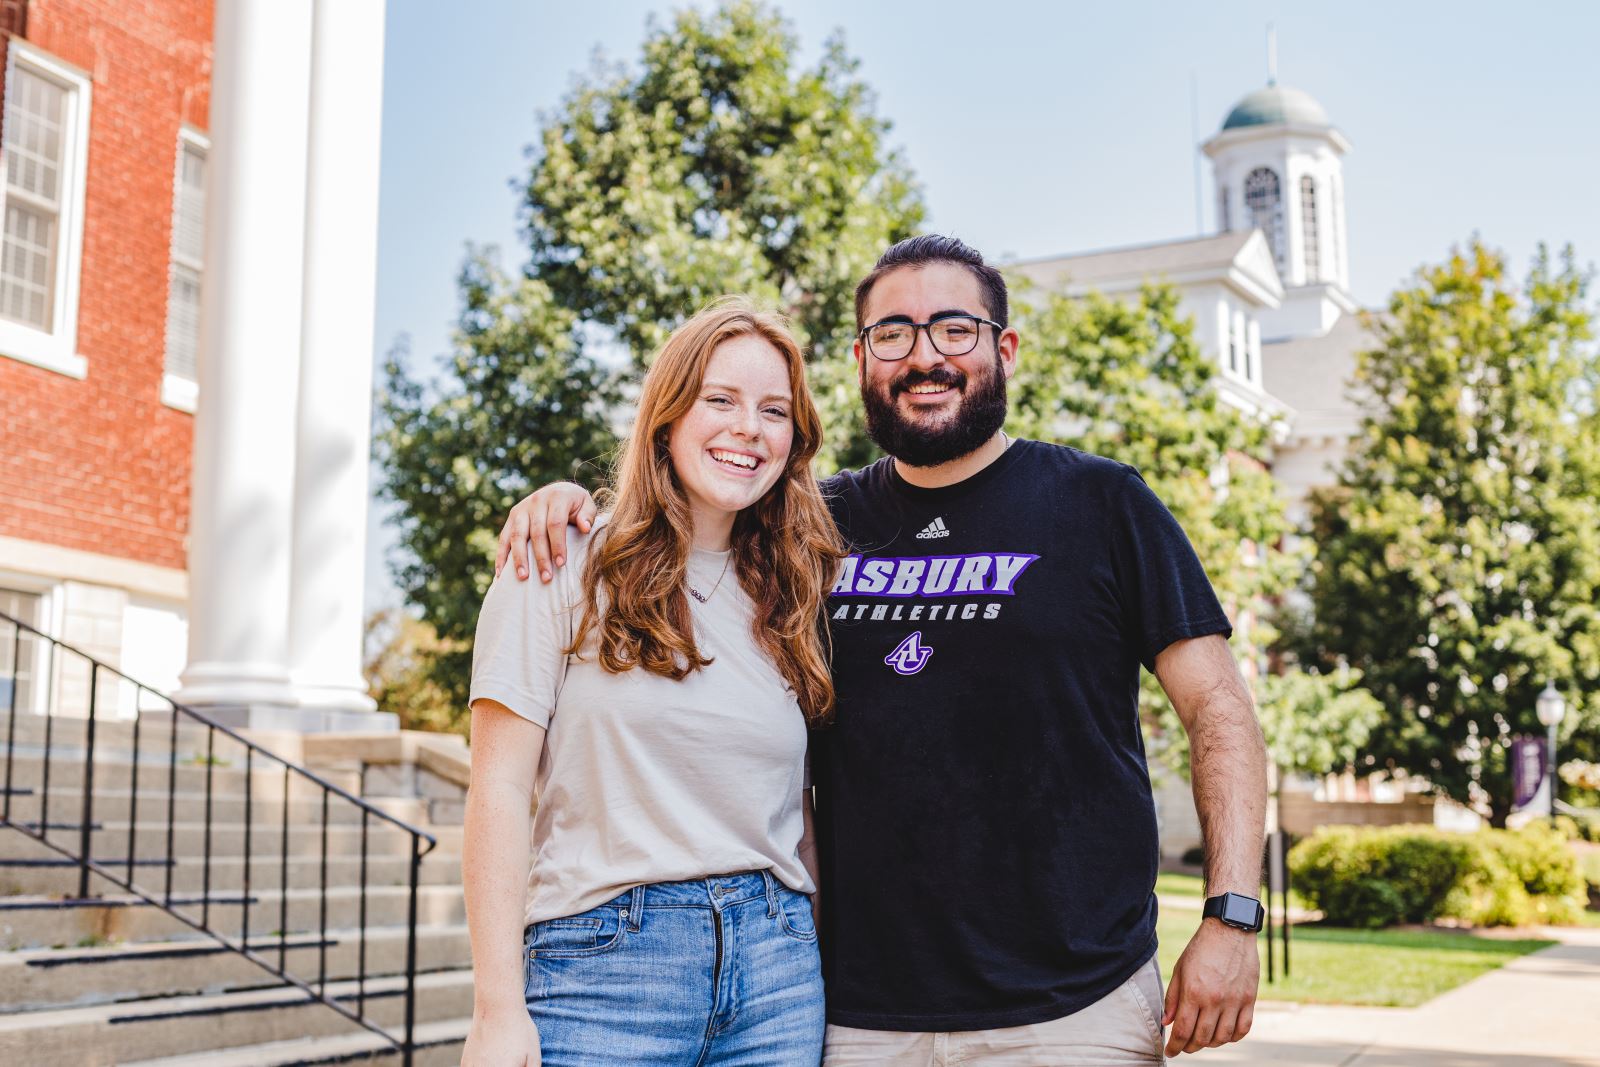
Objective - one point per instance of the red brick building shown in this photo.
(104, 145)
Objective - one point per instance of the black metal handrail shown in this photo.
(114, 872)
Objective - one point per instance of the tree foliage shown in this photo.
(1459, 556)
(717, 167)
(520, 404)
(1315, 723)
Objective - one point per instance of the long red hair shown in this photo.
(786, 549)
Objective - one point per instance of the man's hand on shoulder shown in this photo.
(542, 518)
(1212, 998)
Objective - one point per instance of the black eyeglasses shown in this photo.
(952, 335)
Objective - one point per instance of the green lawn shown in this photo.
(1396, 968)
(1179, 885)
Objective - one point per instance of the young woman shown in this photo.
(654, 701)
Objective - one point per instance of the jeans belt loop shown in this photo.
(636, 908)
(772, 894)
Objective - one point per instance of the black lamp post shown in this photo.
(1552, 709)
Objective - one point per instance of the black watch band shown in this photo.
(1236, 910)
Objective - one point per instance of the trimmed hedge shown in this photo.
(1584, 828)
(1371, 877)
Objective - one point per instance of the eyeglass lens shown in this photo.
(954, 336)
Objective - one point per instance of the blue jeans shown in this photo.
(721, 972)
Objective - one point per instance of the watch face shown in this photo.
(1240, 911)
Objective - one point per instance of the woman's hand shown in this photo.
(503, 1041)
(543, 517)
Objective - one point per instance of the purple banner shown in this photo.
(1527, 768)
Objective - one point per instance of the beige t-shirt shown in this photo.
(644, 779)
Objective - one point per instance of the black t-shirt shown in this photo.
(987, 830)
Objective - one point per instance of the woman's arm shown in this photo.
(494, 873)
(808, 853)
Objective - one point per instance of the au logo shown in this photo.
(910, 655)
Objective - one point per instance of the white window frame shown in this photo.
(1310, 235)
(176, 391)
(57, 350)
(1235, 341)
(1255, 372)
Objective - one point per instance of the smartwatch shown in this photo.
(1235, 910)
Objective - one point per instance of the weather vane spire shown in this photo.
(1272, 54)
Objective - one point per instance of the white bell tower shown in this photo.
(1277, 164)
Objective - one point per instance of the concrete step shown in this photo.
(110, 837)
(155, 732)
(114, 773)
(439, 1044)
(38, 922)
(172, 1026)
(51, 875)
(43, 979)
(151, 803)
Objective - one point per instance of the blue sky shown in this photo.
(1465, 117)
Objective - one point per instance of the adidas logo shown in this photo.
(936, 528)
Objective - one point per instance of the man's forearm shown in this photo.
(1211, 998)
(1228, 766)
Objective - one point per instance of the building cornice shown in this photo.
(75, 565)
(1246, 134)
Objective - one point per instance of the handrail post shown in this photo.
(411, 957)
(244, 889)
(283, 878)
(205, 876)
(172, 798)
(11, 720)
(86, 813)
(49, 724)
(361, 959)
(133, 786)
(322, 908)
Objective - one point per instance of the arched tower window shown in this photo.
(1308, 228)
(1224, 216)
(1263, 199)
(1336, 219)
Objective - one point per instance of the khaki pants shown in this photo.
(1123, 1027)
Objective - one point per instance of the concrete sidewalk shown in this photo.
(1540, 1009)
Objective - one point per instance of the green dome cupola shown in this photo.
(1277, 105)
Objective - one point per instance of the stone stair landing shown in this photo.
(114, 980)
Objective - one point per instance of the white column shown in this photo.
(239, 535)
(333, 438)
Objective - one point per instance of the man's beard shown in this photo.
(980, 412)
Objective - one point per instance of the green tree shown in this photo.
(1124, 378)
(1315, 723)
(1458, 558)
(720, 166)
(520, 404)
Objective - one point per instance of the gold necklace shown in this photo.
(706, 597)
